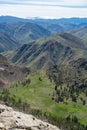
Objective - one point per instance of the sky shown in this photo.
(44, 8)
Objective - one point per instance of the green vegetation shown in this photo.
(60, 95)
(36, 92)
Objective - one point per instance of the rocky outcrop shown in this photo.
(13, 120)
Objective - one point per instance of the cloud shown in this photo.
(40, 11)
(46, 8)
(61, 3)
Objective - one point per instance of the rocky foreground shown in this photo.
(13, 120)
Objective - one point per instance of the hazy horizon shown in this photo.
(39, 17)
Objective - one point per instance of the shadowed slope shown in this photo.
(81, 33)
(7, 42)
(50, 51)
(10, 73)
(23, 32)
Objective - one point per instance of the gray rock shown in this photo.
(14, 120)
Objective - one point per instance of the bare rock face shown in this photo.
(13, 120)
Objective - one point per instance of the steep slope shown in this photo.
(7, 42)
(50, 51)
(10, 73)
(81, 33)
(74, 73)
(23, 32)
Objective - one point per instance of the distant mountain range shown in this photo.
(23, 32)
(61, 25)
(55, 50)
(18, 31)
(38, 50)
(13, 19)
(53, 25)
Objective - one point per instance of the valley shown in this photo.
(43, 69)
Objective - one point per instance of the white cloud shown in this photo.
(74, 2)
(46, 8)
(47, 2)
(42, 11)
(62, 2)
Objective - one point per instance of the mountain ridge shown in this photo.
(48, 51)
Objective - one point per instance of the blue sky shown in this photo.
(46, 8)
